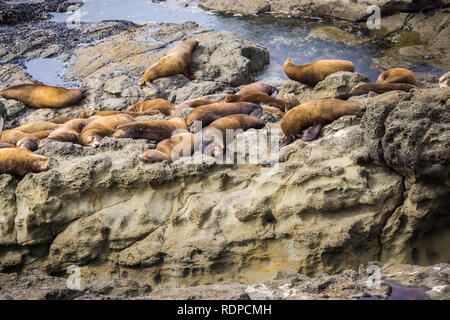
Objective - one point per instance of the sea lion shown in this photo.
(37, 126)
(170, 149)
(42, 96)
(177, 60)
(105, 113)
(21, 161)
(313, 73)
(68, 132)
(377, 88)
(314, 114)
(209, 113)
(258, 87)
(398, 75)
(216, 132)
(264, 100)
(193, 104)
(161, 105)
(20, 139)
(41, 134)
(61, 120)
(6, 145)
(444, 81)
(94, 132)
(155, 130)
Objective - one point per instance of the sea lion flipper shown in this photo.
(286, 141)
(312, 132)
(188, 74)
(256, 113)
(154, 86)
(1, 126)
(344, 96)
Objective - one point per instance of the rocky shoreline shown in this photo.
(374, 188)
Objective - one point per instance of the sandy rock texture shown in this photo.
(396, 282)
(367, 189)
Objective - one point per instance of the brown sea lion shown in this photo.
(61, 120)
(176, 61)
(179, 145)
(193, 104)
(105, 113)
(209, 113)
(94, 132)
(37, 126)
(21, 161)
(313, 73)
(258, 87)
(42, 96)
(41, 134)
(68, 132)
(378, 88)
(20, 139)
(155, 130)
(161, 105)
(215, 135)
(398, 75)
(444, 81)
(314, 114)
(264, 100)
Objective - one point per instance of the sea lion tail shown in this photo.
(154, 86)
(344, 96)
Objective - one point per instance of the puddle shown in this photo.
(48, 71)
(400, 292)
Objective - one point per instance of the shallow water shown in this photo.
(284, 37)
(400, 292)
(48, 71)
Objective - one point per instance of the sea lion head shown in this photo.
(86, 114)
(40, 163)
(29, 143)
(289, 62)
(356, 108)
(93, 140)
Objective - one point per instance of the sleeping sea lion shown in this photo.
(258, 87)
(155, 130)
(177, 60)
(314, 114)
(20, 139)
(193, 104)
(398, 75)
(216, 133)
(41, 134)
(68, 132)
(61, 120)
(170, 149)
(105, 113)
(161, 105)
(209, 113)
(94, 132)
(42, 96)
(37, 126)
(313, 73)
(378, 88)
(264, 100)
(21, 161)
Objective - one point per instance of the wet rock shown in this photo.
(331, 86)
(353, 11)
